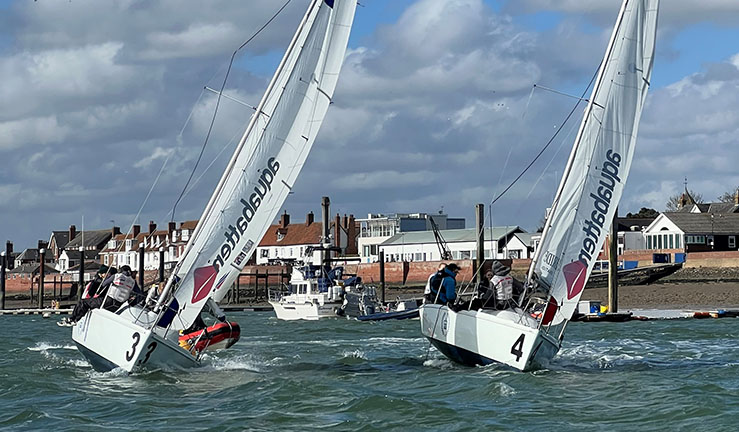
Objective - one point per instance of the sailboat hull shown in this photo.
(100, 335)
(484, 337)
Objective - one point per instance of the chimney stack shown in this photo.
(171, 227)
(284, 220)
(309, 219)
(116, 230)
(72, 232)
(325, 217)
(152, 227)
(136, 230)
(345, 222)
(736, 197)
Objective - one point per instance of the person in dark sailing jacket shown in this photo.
(92, 288)
(446, 293)
(433, 283)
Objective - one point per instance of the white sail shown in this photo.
(267, 161)
(599, 163)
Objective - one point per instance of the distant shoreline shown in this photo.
(688, 288)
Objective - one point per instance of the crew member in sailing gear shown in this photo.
(435, 281)
(114, 291)
(502, 283)
(446, 293)
(92, 287)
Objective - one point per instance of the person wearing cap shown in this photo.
(447, 291)
(92, 287)
(502, 283)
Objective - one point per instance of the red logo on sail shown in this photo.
(204, 277)
(575, 278)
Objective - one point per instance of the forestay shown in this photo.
(599, 163)
(267, 161)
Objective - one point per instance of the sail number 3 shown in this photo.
(132, 353)
(517, 348)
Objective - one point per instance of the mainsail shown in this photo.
(599, 164)
(266, 162)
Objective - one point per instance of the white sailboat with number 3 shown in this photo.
(584, 205)
(249, 195)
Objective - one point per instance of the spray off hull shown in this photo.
(484, 337)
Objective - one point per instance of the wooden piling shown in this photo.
(142, 255)
(382, 274)
(161, 264)
(613, 265)
(81, 276)
(480, 225)
(3, 265)
(41, 268)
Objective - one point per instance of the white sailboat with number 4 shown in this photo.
(249, 195)
(527, 337)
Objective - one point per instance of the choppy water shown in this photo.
(349, 375)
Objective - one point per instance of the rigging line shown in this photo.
(197, 180)
(218, 102)
(559, 129)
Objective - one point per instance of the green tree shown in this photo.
(645, 212)
(673, 203)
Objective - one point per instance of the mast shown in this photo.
(198, 228)
(578, 139)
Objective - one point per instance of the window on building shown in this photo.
(672, 245)
(105, 260)
(732, 242)
(264, 253)
(659, 242)
(365, 250)
(418, 256)
(649, 242)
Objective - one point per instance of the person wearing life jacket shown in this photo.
(502, 283)
(446, 292)
(435, 281)
(113, 288)
(119, 290)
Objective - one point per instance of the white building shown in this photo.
(500, 242)
(378, 228)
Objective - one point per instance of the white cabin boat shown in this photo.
(313, 294)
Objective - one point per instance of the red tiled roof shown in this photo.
(295, 234)
(189, 225)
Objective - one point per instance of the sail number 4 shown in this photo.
(517, 348)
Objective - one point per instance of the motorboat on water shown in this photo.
(314, 292)
(363, 304)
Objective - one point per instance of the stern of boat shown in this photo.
(99, 337)
(483, 337)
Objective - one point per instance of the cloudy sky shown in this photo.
(434, 108)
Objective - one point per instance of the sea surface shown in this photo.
(343, 375)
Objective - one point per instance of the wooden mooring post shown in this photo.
(41, 275)
(613, 266)
(382, 275)
(3, 265)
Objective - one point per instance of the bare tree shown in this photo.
(728, 196)
(673, 203)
